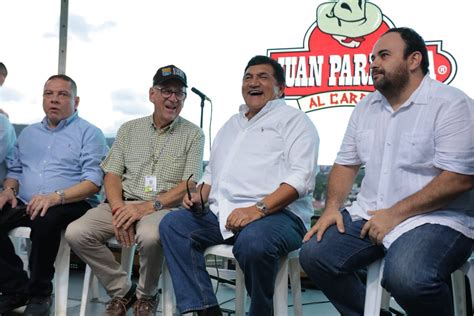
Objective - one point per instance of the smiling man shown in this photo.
(259, 184)
(146, 172)
(55, 170)
(415, 208)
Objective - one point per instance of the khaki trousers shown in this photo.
(88, 235)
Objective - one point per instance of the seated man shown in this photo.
(7, 132)
(415, 206)
(55, 170)
(146, 172)
(259, 185)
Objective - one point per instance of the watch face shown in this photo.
(157, 205)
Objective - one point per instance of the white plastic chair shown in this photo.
(288, 265)
(91, 283)
(61, 276)
(377, 297)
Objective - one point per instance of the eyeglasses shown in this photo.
(63, 95)
(167, 92)
(198, 210)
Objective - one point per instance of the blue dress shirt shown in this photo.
(48, 159)
(7, 141)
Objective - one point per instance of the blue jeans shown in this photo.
(258, 248)
(418, 266)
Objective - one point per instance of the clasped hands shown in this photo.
(123, 219)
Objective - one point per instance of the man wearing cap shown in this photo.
(145, 176)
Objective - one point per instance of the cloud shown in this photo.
(10, 95)
(128, 102)
(81, 29)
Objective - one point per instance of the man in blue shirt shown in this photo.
(54, 171)
(7, 132)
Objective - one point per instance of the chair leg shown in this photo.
(459, 293)
(87, 284)
(280, 296)
(61, 278)
(167, 297)
(240, 291)
(295, 281)
(373, 292)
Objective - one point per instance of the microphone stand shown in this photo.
(202, 111)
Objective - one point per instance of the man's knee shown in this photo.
(312, 255)
(75, 234)
(410, 282)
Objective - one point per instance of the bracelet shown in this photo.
(62, 195)
(11, 188)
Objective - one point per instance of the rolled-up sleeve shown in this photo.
(301, 151)
(93, 152)
(194, 157)
(115, 161)
(454, 138)
(348, 154)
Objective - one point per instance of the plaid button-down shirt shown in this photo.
(170, 154)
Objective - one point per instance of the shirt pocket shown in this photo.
(172, 173)
(365, 143)
(416, 150)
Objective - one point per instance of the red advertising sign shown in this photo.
(332, 68)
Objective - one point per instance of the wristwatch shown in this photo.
(62, 195)
(157, 205)
(262, 207)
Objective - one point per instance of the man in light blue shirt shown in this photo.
(7, 132)
(54, 171)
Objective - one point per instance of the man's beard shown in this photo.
(393, 83)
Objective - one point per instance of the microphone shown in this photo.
(200, 94)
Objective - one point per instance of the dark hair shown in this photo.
(3, 69)
(413, 43)
(278, 71)
(68, 79)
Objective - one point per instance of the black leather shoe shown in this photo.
(38, 306)
(11, 302)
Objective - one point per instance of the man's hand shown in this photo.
(328, 218)
(195, 199)
(126, 215)
(40, 204)
(7, 196)
(240, 217)
(126, 237)
(381, 223)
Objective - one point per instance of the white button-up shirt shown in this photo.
(404, 150)
(251, 158)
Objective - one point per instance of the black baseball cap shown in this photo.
(168, 73)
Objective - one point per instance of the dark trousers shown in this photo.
(45, 238)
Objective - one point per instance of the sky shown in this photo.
(115, 48)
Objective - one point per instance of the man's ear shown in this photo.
(414, 60)
(76, 102)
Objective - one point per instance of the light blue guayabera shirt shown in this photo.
(7, 141)
(48, 159)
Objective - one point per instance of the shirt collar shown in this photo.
(62, 123)
(243, 109)
(419, 96)
(170, 127)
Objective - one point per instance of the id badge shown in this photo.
(150, 184)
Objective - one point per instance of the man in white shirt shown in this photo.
(259, 184)
(414, 136)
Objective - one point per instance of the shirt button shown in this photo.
(389, 144)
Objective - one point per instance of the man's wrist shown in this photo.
(62, 196)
